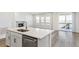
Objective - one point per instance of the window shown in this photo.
(37, 19)
(65, 19)
(65, 22)
(47, 19)
(62, 19)
(42, 19)
(69, 19)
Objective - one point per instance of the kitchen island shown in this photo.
(32, 37)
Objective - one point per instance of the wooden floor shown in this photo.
(2, 43)
(65, 39)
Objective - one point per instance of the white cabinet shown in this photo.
(16, 40)
(13, 39)
(8, 38)
(19, 40)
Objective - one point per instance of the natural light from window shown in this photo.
(37, 19)
(65, 22)
(42, 19)
(47, 19)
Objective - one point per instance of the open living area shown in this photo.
(39, 29)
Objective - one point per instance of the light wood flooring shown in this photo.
(65, 39)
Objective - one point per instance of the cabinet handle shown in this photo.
(14, 40)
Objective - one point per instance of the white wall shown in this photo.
(55, 21)
(6, 19)
(76, 22)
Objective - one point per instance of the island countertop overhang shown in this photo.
(33, 32)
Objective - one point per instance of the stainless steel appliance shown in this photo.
(28, 41)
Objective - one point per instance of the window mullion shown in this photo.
(45, 19)
(40, 20)
(65, 19)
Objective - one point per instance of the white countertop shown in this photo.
(34, 32)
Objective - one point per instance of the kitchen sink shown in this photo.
(22, 30)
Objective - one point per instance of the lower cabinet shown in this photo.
(8, 38)
(16, 40)
(13, 39)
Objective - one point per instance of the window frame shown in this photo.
(65, 19)
(40, 22)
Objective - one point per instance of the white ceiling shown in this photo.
(37, 12)
(33, 12)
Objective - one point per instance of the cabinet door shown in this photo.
(19, 40)
(16, 40)
(8, 38)
(13, 40)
